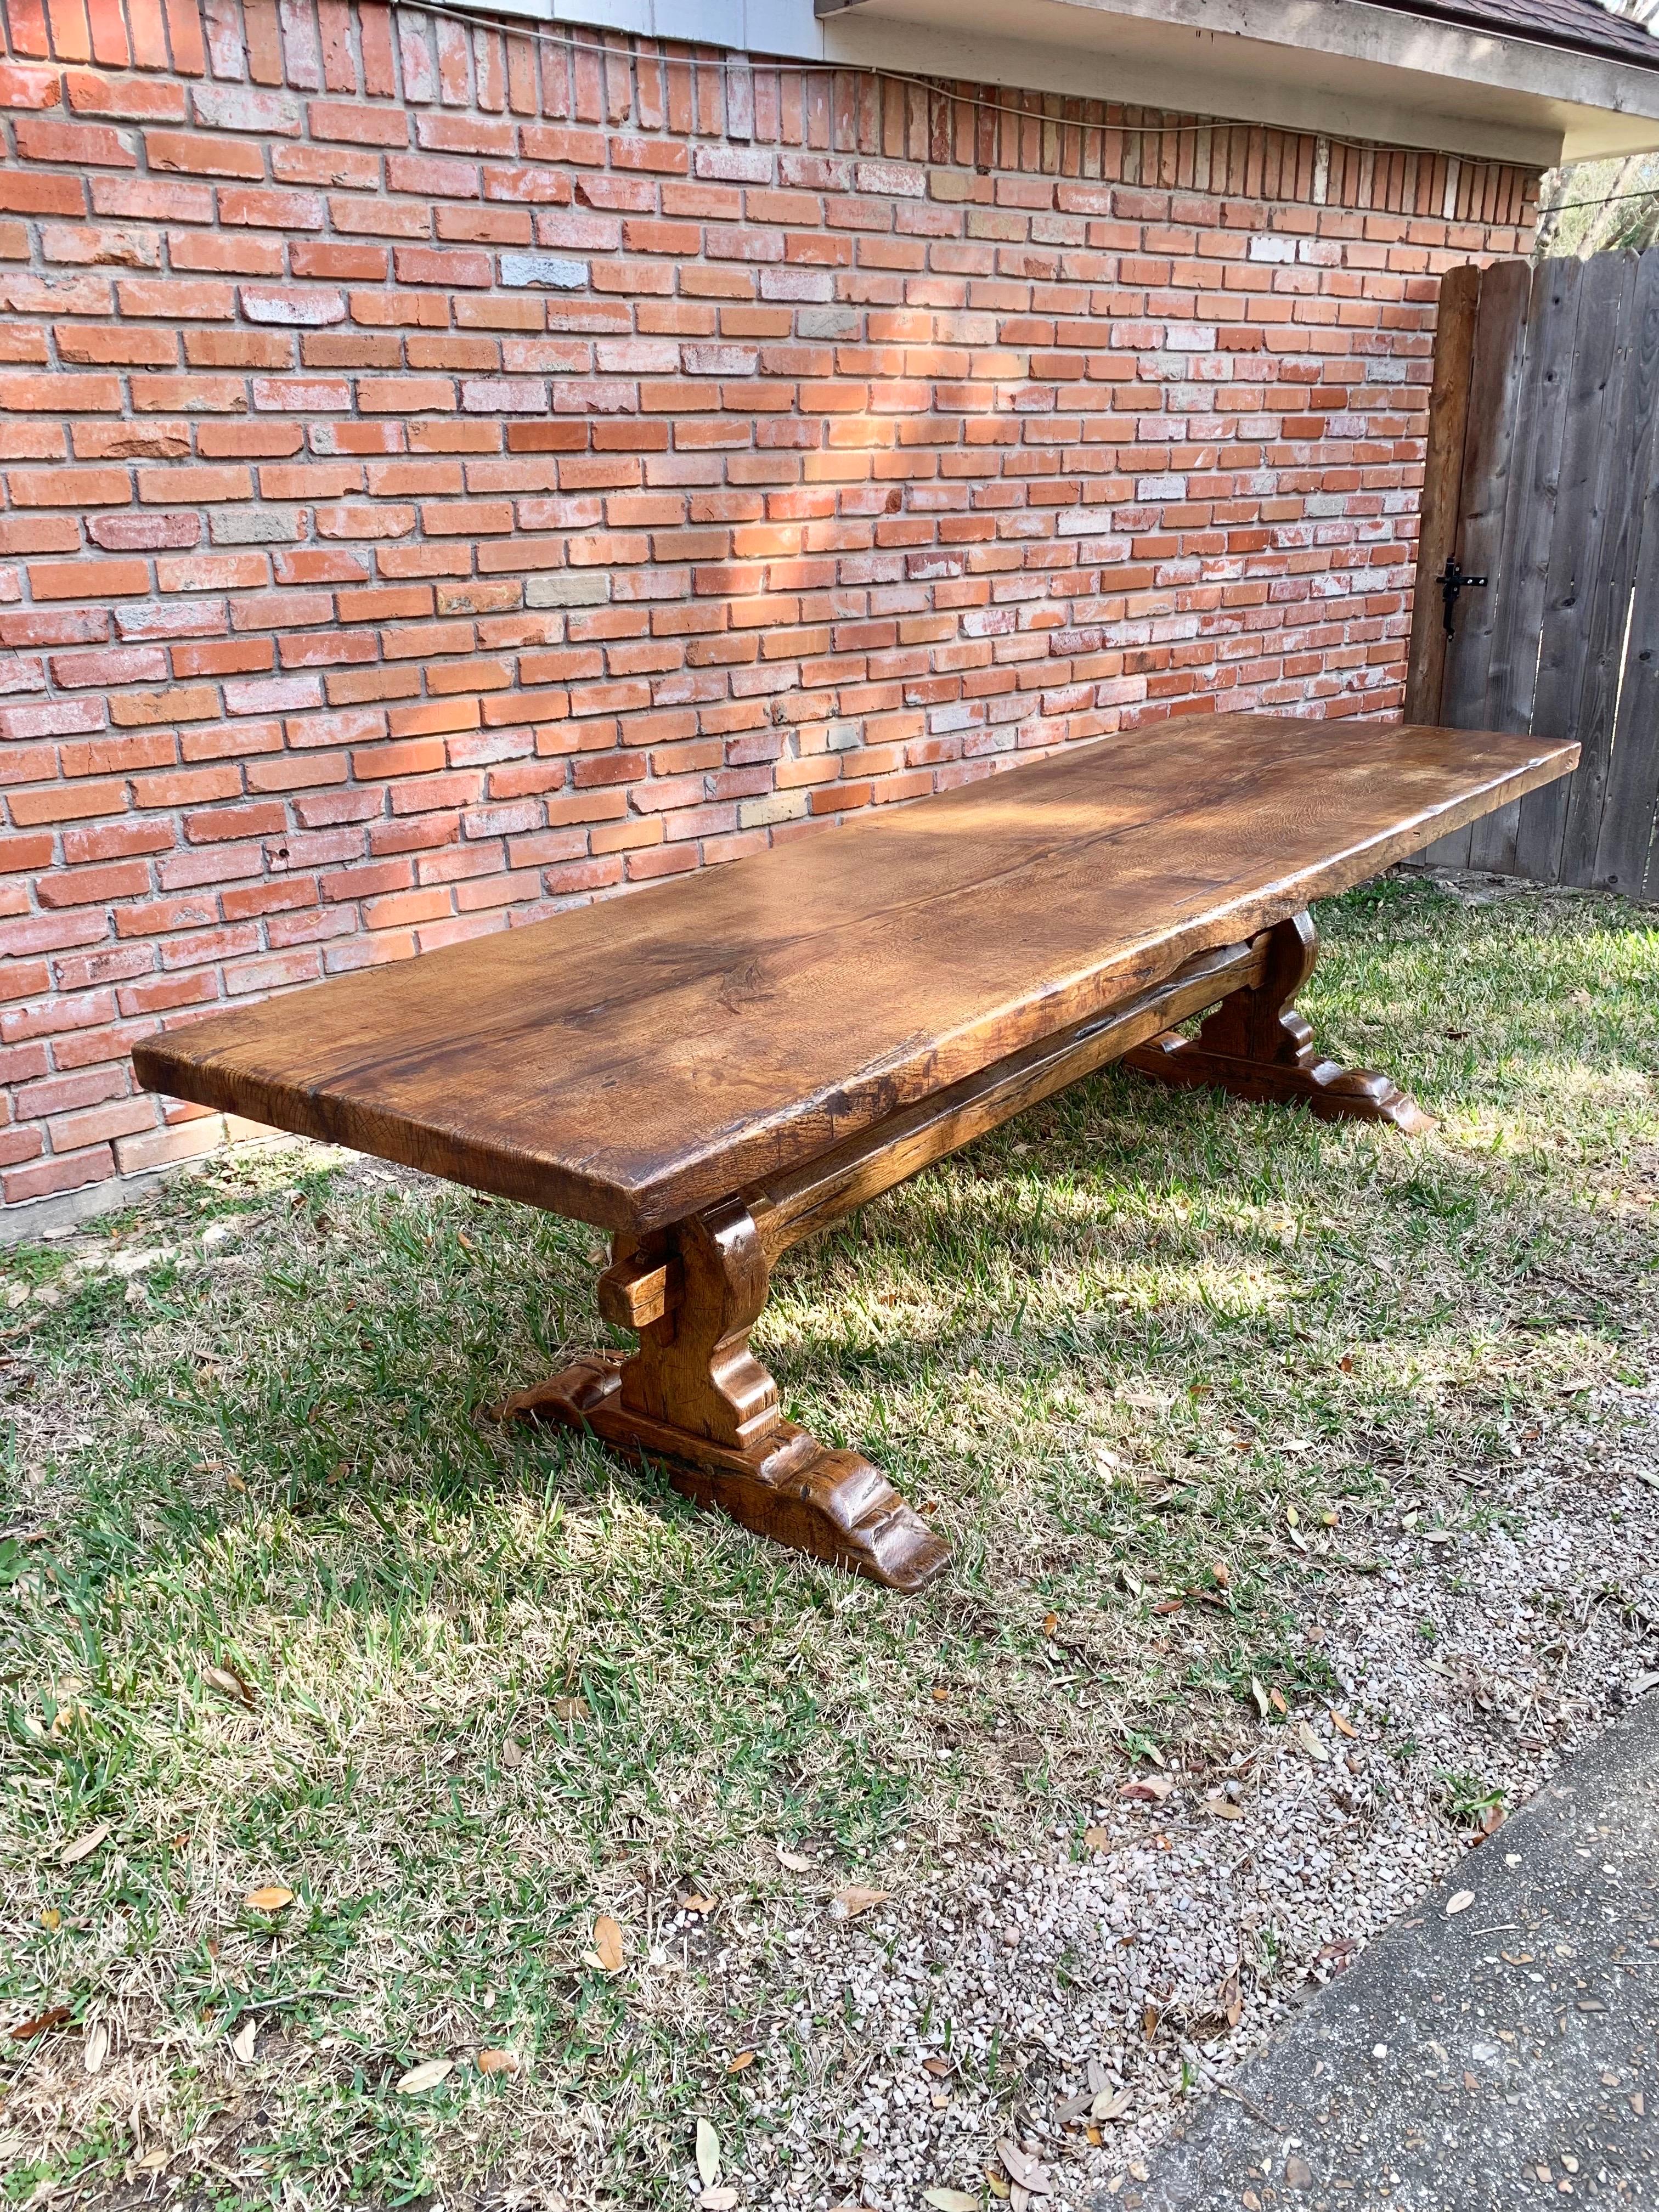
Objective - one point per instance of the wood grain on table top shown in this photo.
(629, 1062)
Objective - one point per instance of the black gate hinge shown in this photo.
(1451, 581)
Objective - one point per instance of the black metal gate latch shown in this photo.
(1451, 581)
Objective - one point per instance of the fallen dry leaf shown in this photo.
(27, 2030)
(847, 1904)
(1459, 1903)
(228, 1685)
(1111, 2104)
(272, 1899)
(718, 2200)
(1147, 1789)
(1310, 1743)
(427, 2075)
(1025, 2171)
(950, 2200)
(796, 1861)
(96, 2048)
(693, 1900)
(83, 1846)
(243, 2041)
(1260, 1696)
(1276, 1699)
(1340, 1721)
(607, 1944)
(1223, 1808)
(512, 1753)
(708, 2153)
(498, 2062)
(741, 2062)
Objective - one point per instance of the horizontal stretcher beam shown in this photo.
(812, 1197)
(637, 1293)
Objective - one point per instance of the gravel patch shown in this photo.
(1035, 2021)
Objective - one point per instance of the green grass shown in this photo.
(502, 1682)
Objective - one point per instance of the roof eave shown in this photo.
(1346, 66)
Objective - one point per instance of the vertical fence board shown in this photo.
(1608, 612)
(1589, 473)
(1495, 377)
(1443, 471)
(1625, 837)
(1517, 587)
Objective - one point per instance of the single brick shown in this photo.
(548, 271)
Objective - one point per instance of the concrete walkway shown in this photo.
(1497, 2048)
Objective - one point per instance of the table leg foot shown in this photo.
(1256, 1045)
(833, 1505)
(1324, 1086)
(695, 1396)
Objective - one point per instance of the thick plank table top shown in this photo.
(628, 1062)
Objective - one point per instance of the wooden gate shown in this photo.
(1543, 479)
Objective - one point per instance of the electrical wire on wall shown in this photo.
(1553, 212)
(519, 27)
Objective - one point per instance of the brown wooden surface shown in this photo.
(631, 1062)
(1442, 477)
(694, 1394)
(1256, 1045)
(1495, 373)
(785, 1484)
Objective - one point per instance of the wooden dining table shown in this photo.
(712, 1068)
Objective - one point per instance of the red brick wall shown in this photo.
(449, 475)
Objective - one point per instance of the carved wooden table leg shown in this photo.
(694, 1395)
(1257, 1046)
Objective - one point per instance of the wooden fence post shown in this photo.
(1442, 477)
